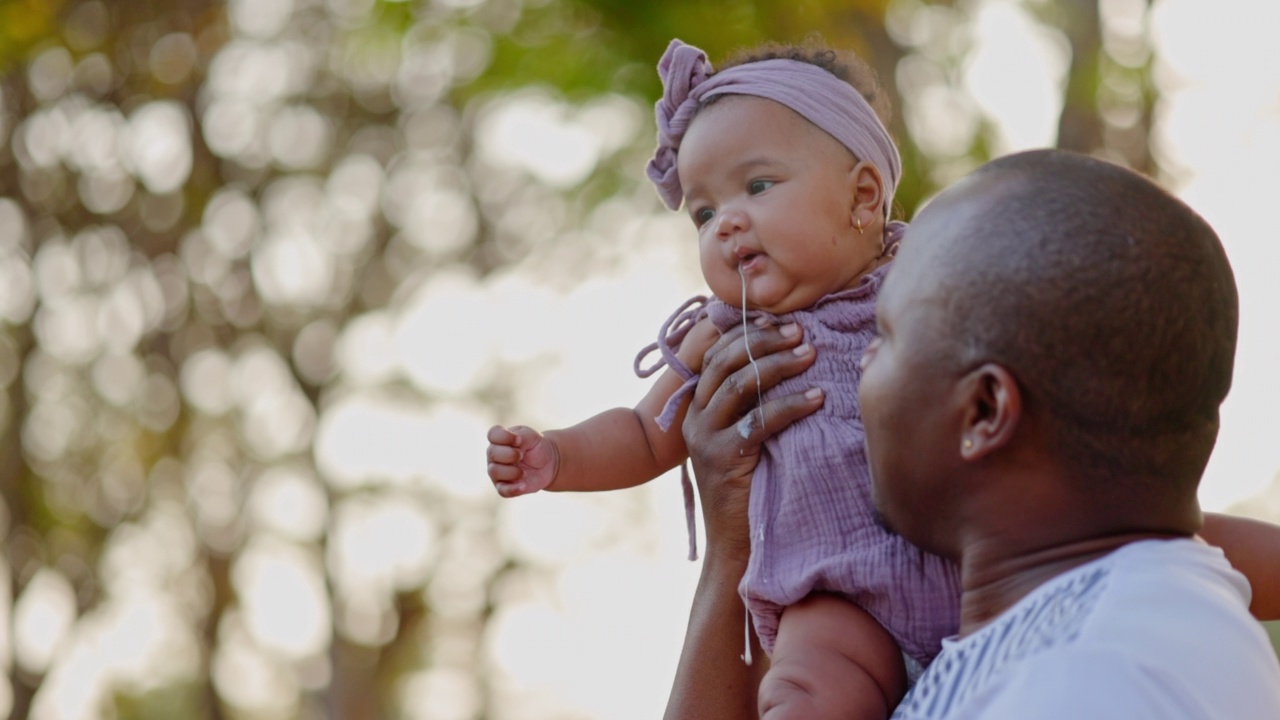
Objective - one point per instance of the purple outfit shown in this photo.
(811, 516)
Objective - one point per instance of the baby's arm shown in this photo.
(1253, 547)
(618, 448)
(833, 660)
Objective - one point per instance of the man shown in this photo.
(1056, 337)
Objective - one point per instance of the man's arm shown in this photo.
(723, 431)
(712, 681)
(1253, 547)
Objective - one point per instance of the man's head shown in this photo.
(1056, 319)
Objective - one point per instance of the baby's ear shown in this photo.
(867, 189)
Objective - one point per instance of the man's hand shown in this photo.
(725, 426)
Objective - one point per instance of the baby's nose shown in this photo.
(730, 222)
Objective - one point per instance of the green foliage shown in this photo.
(23, 25)
(182, 700)
(1273, 631)
(585, 47)
(590, 46)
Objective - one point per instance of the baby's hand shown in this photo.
(521, 460)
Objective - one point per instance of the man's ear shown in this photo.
(993, 409)
(867, 192)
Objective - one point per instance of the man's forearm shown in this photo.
(1253, 547)
(712, 681)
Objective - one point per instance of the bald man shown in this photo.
(1056, 337)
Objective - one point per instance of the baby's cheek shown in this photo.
(726, 286)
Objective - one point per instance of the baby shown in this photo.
(788, 175)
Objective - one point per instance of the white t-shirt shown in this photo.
(1156, 630)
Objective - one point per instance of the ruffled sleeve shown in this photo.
(670, 337)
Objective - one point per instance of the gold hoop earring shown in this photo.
(857, 223)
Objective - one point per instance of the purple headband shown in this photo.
(817, 95)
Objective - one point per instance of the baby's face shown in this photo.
(772, 194)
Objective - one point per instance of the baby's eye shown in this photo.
(701, 216)
(755, 187)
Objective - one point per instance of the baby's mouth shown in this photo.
(749, 260)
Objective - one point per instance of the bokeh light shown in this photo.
(269, 269)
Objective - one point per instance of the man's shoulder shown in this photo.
(1171, 590)
(1147, 618)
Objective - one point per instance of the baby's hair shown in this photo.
(844, 64)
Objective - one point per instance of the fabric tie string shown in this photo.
(670, 336)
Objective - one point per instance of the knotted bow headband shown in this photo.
(818, 96)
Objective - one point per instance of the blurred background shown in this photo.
(270, 268)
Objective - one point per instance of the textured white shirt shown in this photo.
(1158, 629)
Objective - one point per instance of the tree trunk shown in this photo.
(1080, 127)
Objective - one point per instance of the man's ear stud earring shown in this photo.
(968, 444)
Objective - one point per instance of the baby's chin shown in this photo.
(782, 307)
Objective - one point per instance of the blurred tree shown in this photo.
(585, 47)
(217, 222)
(1109, 99)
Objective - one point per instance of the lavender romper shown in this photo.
(811, 516)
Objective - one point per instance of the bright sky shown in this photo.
(1222, 124)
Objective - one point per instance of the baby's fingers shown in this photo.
(499, 435)
(503, 454)
(500, 473)
(509, 489)
(525, 436)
